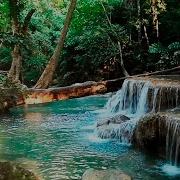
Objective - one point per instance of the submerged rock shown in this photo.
(118, 119)
(11, 171)
(116, 127)
(92, 174)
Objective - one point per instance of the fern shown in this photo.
(157, 48)
(174, 46)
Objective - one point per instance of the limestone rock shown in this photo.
(157, 132)
(114, 127)
(118, 119)
(150, 132)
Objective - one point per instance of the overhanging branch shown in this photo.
(27, 20)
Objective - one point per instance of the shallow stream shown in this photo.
(58, 141)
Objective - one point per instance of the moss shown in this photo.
(9, 92)
(11, 171)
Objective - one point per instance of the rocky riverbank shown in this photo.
(12, 171)
(9, 93)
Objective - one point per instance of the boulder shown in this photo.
(159, 133)
(11, 171)
(6, 100)
(92, 174)
(150, 132)
(116, 127)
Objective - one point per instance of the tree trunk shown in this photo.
(15, 69)
(121, 60)
(155, 17)
(14, 72)
(27, 21)
(146, 36)
(139, 21)
(47, 76)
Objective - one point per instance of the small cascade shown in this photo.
(139, 96)
(136, 98)
(131, 98)
(123, 132)
(173, 141)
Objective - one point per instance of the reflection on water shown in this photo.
(33, 116)
(58, 141)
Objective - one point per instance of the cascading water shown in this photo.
(132, 99)
(136, 98)
(173, 141)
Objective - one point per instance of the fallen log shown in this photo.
(37, 96)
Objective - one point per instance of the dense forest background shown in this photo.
(143, 34)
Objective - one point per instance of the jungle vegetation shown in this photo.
(61, 42)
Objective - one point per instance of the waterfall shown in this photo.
(136, 98)
(173, 141)
(140, 96)
(133, 98)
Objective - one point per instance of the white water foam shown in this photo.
(132, 101)
(94, 138)
(170, 170)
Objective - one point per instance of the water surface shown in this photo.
(57, 140)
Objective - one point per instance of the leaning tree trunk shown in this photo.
(47, 76)
(121, 60)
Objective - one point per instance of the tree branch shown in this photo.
(14, 13)
(27, 20)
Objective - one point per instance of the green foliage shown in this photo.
(167, 56)
(33, 68)
(157, 48)
(93, 40)
(5, 57)
(91, 50)
(2, 80)
(4, 16)
(174, 46)
(38, 45)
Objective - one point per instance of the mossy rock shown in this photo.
(150, 132)
(9, 93)
(11, 171)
